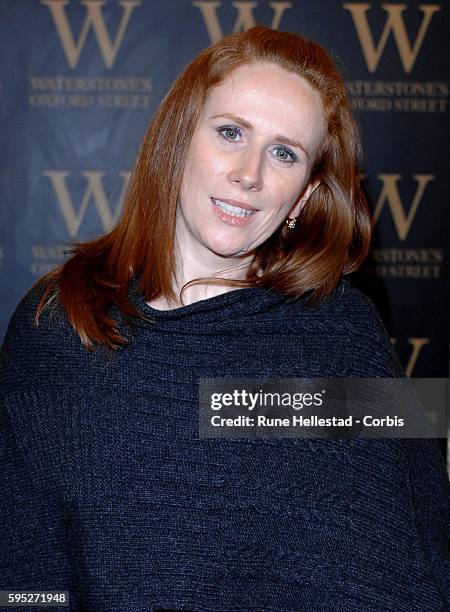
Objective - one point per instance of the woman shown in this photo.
(243, 212)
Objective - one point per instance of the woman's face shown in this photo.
(249, 163)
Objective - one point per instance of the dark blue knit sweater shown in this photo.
(108, 492)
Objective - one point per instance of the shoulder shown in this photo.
(352, 305)
(23, 327)
(32, 353)
(344, 303)
(370, 348)
(356, 338)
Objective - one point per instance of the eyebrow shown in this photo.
(247, 125)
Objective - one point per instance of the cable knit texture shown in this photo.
(108, 492)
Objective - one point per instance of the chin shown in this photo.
(226, 249)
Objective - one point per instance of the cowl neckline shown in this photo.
(234, 305)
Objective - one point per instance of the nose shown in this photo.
(247, 170)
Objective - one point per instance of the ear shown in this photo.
(304, 197)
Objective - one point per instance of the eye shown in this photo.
(229, 132)
(284, 154)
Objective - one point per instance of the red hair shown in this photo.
(333, 228)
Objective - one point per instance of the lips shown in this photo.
(233, 212)
(233, 207)
(235, 203)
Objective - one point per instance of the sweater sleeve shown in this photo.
(371, 355)
(32, 534)
(32, 527)
(430, 494)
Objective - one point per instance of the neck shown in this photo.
(191, 267)
(195, 262)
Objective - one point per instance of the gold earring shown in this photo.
(291, 223)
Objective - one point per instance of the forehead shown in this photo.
(268, 96)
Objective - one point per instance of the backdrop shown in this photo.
(80, 79)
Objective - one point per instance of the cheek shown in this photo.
(285, 194)
(211, 165)
(195, 173)
(205, 160)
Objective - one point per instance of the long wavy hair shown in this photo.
(333, 230)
